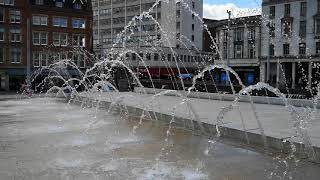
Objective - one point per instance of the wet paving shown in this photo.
(44, 138)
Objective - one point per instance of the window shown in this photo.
(148, 56)
(272, 12)
(178, 25)
(303, 28)
(79, 60)
(59, 3)
(169, 57)
(193, 4)
(192, 27)
(303, 9)
(156, 57)
(77, 6)
(7, 2)
(287, 9)
(238, 34)
(238, 51)
(192, 38)
(15, 55)
(251, 34)
(40, 59)
(251, 51)
(56, 57)
(15, 35)
(2, 33)
(78, 23)
(15, 16)
(60, 39)
(134, 56)
(286, 49)
(271, 50)
(318, 48)
(40, 20)
(2, 15)
(60, 21)
(2, 58)
(272, 29)
(40, 38)
(302, 48)
(39, 2)
(79, 40)
(317, 26)
(286, 28)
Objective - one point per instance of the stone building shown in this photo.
(36, 33)
(290, 43)
(167, 35)
(239, 45)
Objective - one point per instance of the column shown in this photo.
(293, 75)
(309, 75)
(262, 72)
(278, 74)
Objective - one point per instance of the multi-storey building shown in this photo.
(37, 33)
(290, 43)
(237, 46)
(167, 34)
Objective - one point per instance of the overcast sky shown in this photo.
(217, 9)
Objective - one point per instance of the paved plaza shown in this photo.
(275, 119)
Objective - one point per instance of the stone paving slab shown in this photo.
(275, 119)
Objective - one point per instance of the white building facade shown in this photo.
(173, 30)
(290, 43)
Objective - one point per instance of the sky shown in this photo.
(217, 9)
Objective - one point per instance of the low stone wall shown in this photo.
(230, 97)
(256, 140)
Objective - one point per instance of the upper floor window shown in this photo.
(15, 16)
(302, 48)
(7, 2)
(251, 34)
(40, 38)
(317, 28)
(15, 55)
(60, 39)
(15, 35)
(272, 13)
(192, 27)
(79, 40)
(286, 49)
(238, 34)
(59, 3)
(40, 59)
(303, 28)
(2, 58)
(303, 9)
(2, 33)
(286, 28)
(60, 21)
(40, 20)
(39, 2)
(2, 15)
(77, 6)
(78, 23)
(287, 9)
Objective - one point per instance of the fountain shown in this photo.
(156, 130)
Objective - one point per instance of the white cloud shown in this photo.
(219, 11)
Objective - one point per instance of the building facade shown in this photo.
(37, 33)
(237, 46)
(168, 34)
(290, 43)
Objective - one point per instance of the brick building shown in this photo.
(36, 33)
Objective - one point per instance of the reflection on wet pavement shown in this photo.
(46, 139)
